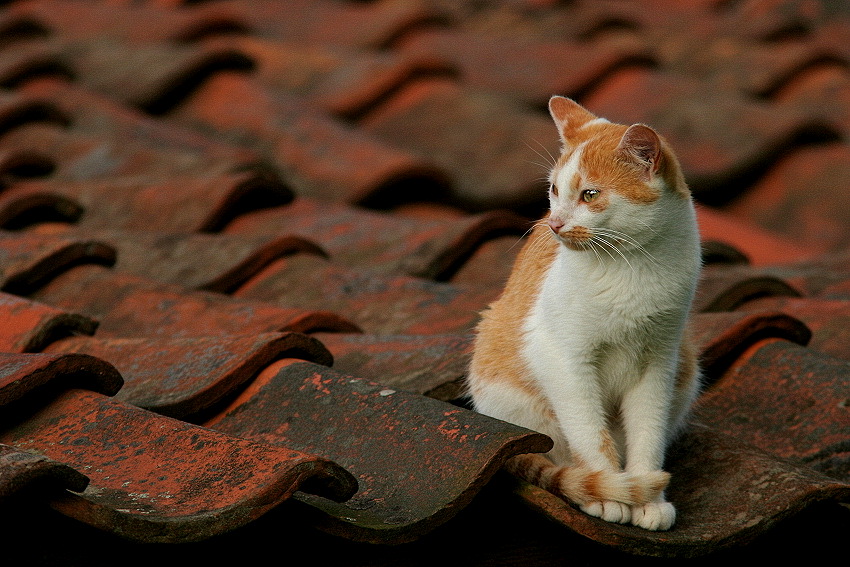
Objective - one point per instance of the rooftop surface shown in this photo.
(243, 246)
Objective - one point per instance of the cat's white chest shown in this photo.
(579, 300)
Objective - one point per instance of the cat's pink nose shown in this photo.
(555, 224)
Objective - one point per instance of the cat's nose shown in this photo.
(555, 224)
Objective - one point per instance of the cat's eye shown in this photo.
(553, 189)
(589, 194)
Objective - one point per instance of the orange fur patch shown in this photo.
(497, 355)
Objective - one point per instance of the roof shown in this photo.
(243, 246)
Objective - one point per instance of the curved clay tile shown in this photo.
(352, 25)
(184, 377)
(30, 260)
(376, 303)
(786, 400)
(135, 23)
(759, 245)
(722, 337)
(720, 153)
(724, 288)
(16, 110)
(36, 376)
(777, 201)
(175, 203)
(418, 461)
(27, 326)
(487, 143)
(28, 473)
(91, 115)
(528, 69)
(381, 242)
(431, 365)
(319, 156)
(156, 479)
(24, 61)
(21, 209)
(129, 306)
(828, 319)
(722, 502)
(211, 262)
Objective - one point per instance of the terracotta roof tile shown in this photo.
(129, 306)
(447, 453)
(432, 248)
(147, 489)
(172, 204)
(27, 326)
(376, 303)
(24, 471)
(183, 377)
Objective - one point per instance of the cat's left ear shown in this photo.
(641, 145)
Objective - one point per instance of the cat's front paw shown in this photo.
(655, 516)
(609, 511)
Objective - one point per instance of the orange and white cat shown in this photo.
(588, 342)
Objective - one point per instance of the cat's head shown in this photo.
(611, 182)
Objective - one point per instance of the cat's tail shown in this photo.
(582, 485)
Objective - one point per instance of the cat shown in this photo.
(588, 342)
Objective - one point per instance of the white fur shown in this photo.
(602, 340)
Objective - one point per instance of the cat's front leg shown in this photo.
(645, 412)
(578, 405)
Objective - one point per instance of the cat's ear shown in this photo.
(641, 145)
(568, 116)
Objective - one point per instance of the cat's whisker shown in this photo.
(524, 234)
(602, 240)
(551, 159)
(592, 248)
(611, 233)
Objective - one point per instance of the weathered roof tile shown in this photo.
(418, 461)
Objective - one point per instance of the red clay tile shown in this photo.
(348, 24)
(524, 69)
(156, 479)
(432, 365)
(723, 337)
(382, 242)
(91, 114)
(25, 377)
(724, 288)
(26, 60)
(788, 401)
(378, 304)
(418, 461)
(319, 156)
(829, 320)
(27, 326)
(759, 245)
(777, 203)
(821, 89)
(490, 264)
(489, 143)
(184, 377)
(342, 82)
(170, 204)
(727, 494)
(135, 23)
(815, 277)
(212, 262)
(129, 306)
(29, 260)
(28, 473)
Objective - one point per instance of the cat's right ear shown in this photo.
(569, 116)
